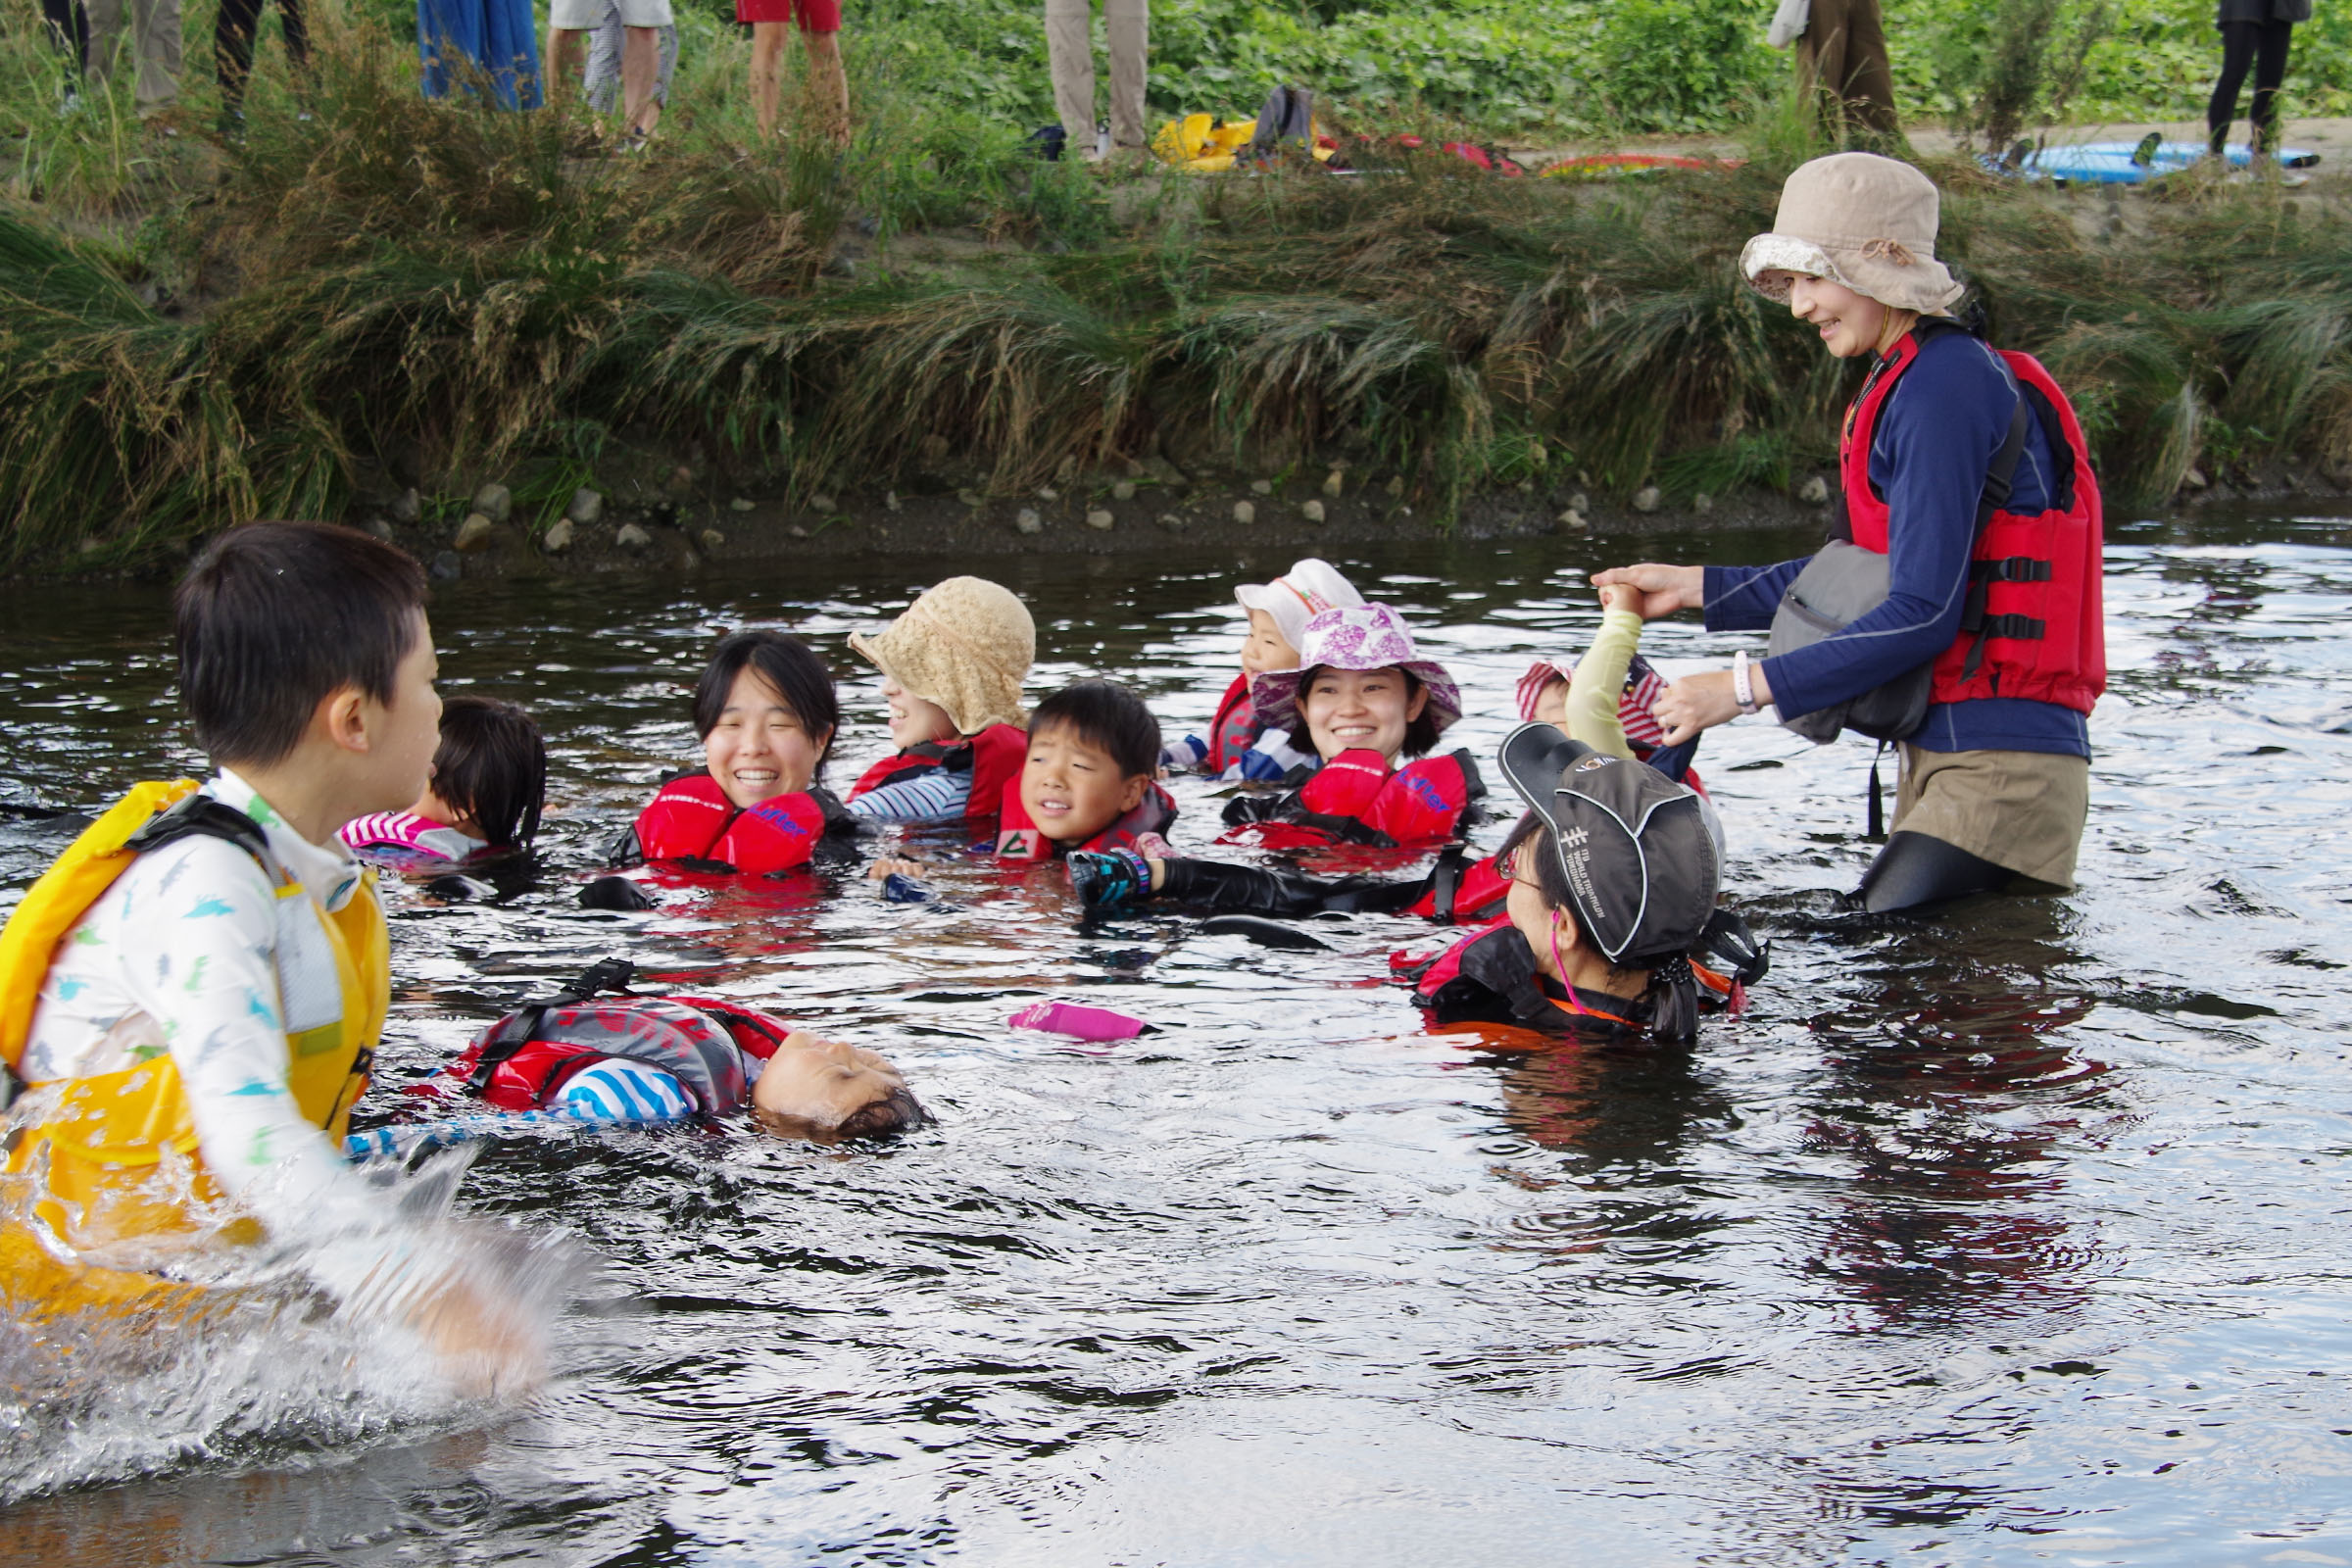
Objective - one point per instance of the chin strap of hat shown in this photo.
(521, 1027)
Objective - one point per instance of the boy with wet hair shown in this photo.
(1090, 781)
(197, 985)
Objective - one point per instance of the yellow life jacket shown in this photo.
(103, 1137)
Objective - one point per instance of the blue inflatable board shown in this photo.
(2109, 163)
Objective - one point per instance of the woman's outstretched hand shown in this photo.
(1654, 590)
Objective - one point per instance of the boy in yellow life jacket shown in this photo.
(192, 993)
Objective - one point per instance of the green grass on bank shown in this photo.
(392, 290)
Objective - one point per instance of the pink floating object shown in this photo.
(1085, 1023)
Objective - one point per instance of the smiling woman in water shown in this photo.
(1958, 611)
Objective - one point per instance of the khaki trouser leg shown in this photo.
(106, 35)
(1129, 23)
(155, 34)
(1070, 55)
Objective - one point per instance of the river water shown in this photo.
(2017, 1237)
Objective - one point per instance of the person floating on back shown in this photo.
(488, 789)
(646, 1060)
(192, 993)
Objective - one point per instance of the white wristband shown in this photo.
(1743, 688)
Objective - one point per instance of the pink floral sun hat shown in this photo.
(1365, 637)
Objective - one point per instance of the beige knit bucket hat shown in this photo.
(1859, 219)
(965, 643)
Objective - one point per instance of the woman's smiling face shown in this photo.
(1361, 709)
(1849, 323)
(760, 749)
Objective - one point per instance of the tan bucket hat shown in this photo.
(1859, 219)
(965, 643)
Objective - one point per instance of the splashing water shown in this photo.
(135, 1357)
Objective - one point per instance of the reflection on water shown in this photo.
(2008, 1237)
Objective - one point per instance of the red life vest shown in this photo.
(692, 820)
(993, 756)
(523, 1062)
(1463, 893)
(1355, 798)
(1507, 980)
(2034, 581)
(1234, 729)
(1018, 838)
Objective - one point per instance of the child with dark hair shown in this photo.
(1613, 877)
(766, 712)
(489, 787)
(644, 1060)
(1090, 780)
(200, 979)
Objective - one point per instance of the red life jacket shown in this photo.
(2037, 626)
(1463, 893)
(523, 1062)
(1234, 729)
(1355, 798)
(692, 820)
(1506, 980)
(993, 756)
(1018, 838)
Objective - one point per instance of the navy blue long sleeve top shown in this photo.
(1936, 436)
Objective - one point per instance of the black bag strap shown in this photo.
(1876, 833)
(202, 816)
(1445, 883)
(521, 1027)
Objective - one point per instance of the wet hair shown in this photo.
(785, 662)
(1107, 715)
(1420, 732)
(491, 766)
(898, 1111)
(1672, 994)
(273, 618)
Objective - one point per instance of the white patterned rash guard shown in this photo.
(178, 956)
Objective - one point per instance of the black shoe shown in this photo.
(1107, 880)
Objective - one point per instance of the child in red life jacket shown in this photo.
(1239, 746)
(766, 713)
(648, 1060)
(1087, 783)
(1613, 880)
(489, 786)
(1362, 699)
(951, 672)
(1602, 701)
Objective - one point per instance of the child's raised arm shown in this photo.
(1592, 695)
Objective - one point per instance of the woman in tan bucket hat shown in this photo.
(1968, 489)
(951, 672)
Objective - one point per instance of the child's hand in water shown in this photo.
(492, 1351)
(889, 865)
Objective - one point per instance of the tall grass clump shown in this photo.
(426, 291)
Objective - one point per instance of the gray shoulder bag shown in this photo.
(1843, 583)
